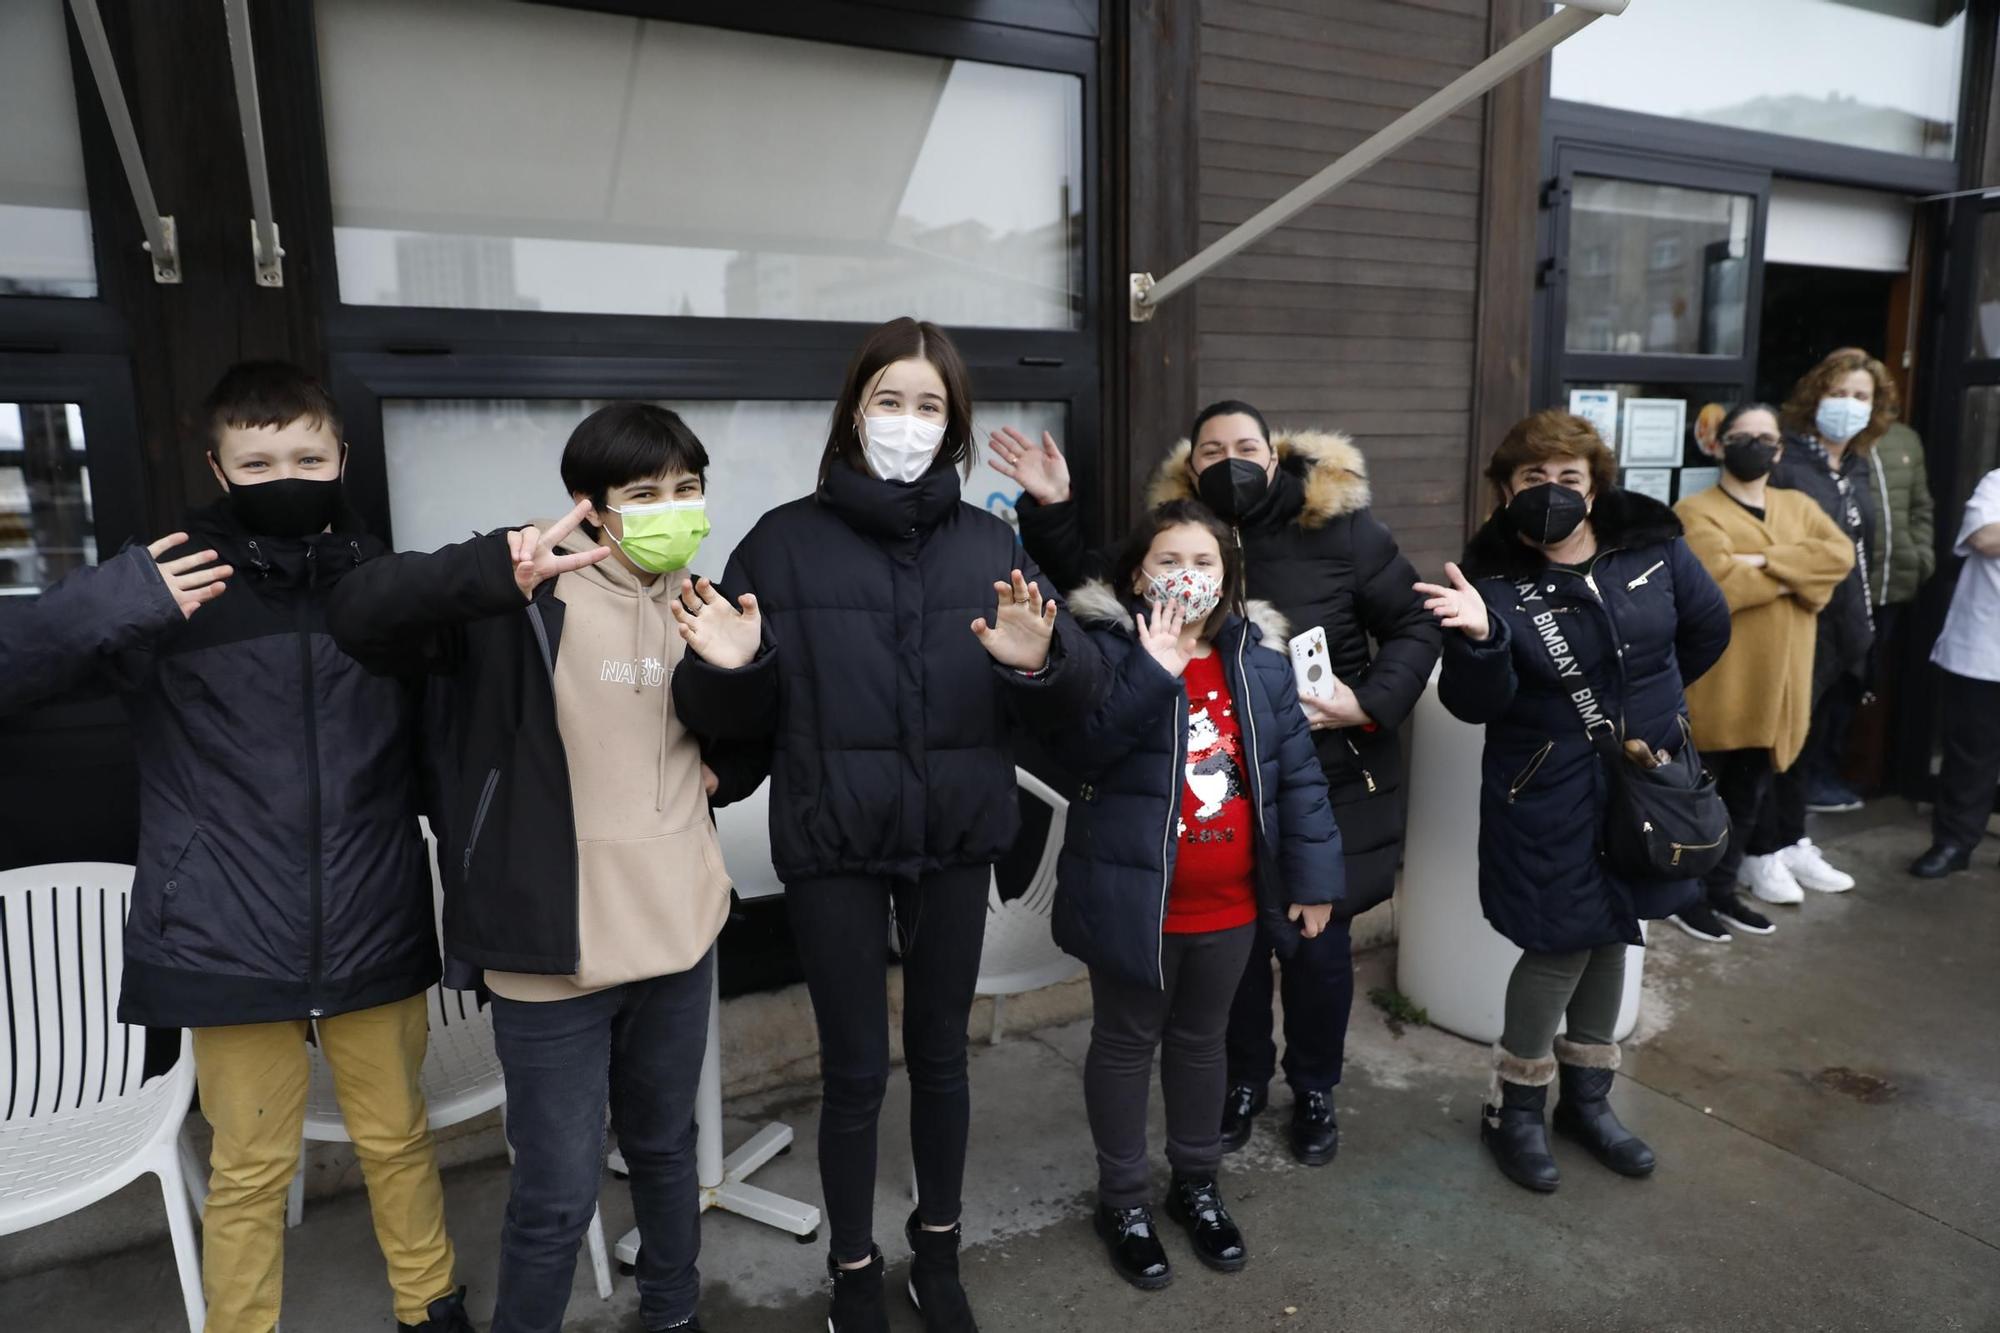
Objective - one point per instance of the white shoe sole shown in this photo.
(1701, 935)
(1744, 926)
(1757, 892)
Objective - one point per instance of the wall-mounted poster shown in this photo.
(1654, 429)
(1657, 482)
(1600, 408)
(1696, 479)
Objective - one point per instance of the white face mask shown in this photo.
(900, 448)
(1841, 419)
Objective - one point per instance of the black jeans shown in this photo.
(1318, 985)
(1971, 766)
(1743, 780)
(1185, 1023)
(842, 929)
(638, 1047)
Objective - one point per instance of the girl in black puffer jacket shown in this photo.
(1201, 811)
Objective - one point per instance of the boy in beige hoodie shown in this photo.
(589, 886)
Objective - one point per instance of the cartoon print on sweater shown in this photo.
(1214, 774)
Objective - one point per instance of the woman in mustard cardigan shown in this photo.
(1778, 558)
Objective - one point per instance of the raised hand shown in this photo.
(1312, 917)
(534, 551)
(1166, 637)
(191, 580)
(1020, 633)
(1040, 469)
(720, 634)
(1458, 607)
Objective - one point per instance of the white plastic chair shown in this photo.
(79, 1122)
(1020, 954)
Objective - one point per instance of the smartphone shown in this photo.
(1310, 665)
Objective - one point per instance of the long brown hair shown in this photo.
(901, 340)
(1183, 513)
(1802, 408)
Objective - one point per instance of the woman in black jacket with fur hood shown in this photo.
(1316, 552)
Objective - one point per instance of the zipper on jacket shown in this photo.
(1528, 774)
(1177, 778)
(1240, 687)
(311, 711)
(1643, 577)
(1888, 531)
(479, 820)
(1617, 644)
(1366, 776)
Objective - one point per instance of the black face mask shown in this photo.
(293, 507)
(1232, 488)
(1748, 460)
(1548, 513)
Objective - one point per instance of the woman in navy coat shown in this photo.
(1571, 582)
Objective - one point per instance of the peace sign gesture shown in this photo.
(1165, 637)
(720, 634)
(1458, 607)
(534, 551)
(1019, 634)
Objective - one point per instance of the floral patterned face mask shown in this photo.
(1196, 591)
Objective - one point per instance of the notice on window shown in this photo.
(1657, 482)
(1653, 431)
(1697, 479)
(1600, 408)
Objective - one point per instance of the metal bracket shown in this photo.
(271, 267)
(162, 241)
(1142, 288)
(167, 254)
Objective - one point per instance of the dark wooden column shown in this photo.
(1158, 186)
(1508, 207)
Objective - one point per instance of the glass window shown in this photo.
(44, 216)
(496, 155)
(46, 525)
(1986, 306)
(1657, 268)
(1979, 448)
(1879, 74)
(1695, 470)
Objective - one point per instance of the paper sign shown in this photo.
(1657, 482)
(1697, 479)
(1600, 408)
(1653, 432)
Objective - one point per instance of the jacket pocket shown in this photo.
(170, 889)
(479, 814)
(1527, 775)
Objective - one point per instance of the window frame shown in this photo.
(101, 387)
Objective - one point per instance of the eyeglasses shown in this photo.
(1750, 439)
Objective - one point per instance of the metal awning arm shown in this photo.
(265, 251)
(161, 240)
(1148, 293)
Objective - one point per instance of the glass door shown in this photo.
(1651, 278)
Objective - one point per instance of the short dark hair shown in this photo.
(621, 443)
(1552, 433)
(1174, 514)
(259, 395)
(901, 340)
(1741, 410)
(1228, 407)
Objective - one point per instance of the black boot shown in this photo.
(1315, 1130)
(1512, 1125)
(934, 1284)
(446, 1314)
(857, 1298)
(1942, 859)
(1136, 1252)
(1196, 1204)
(1240, 1110)
(1584, 1111)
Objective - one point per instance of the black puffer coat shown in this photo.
(1317, 553)
(281, 873)
(1655, 621)
(1846, 632)
(1117, 862)
(893, 748)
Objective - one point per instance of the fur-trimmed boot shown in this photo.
(1584, 1113)
(1512, 1126)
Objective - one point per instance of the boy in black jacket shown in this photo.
(281, 876)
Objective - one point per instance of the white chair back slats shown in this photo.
(61, 955)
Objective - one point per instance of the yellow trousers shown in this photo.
(253, 1082)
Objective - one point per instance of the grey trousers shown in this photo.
(1186, 1023)
(1585, 986)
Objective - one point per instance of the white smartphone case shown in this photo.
(1310, 665)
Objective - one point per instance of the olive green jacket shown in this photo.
(1904, 550)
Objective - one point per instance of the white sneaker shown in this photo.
(1811, 870)
(1769, 879)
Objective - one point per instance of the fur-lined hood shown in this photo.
(1096, 606)
(1624, 520)
(1333, 473)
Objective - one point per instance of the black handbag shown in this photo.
(1664, 823)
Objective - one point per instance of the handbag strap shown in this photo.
(1600, 730)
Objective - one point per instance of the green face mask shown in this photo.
(662, 538)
